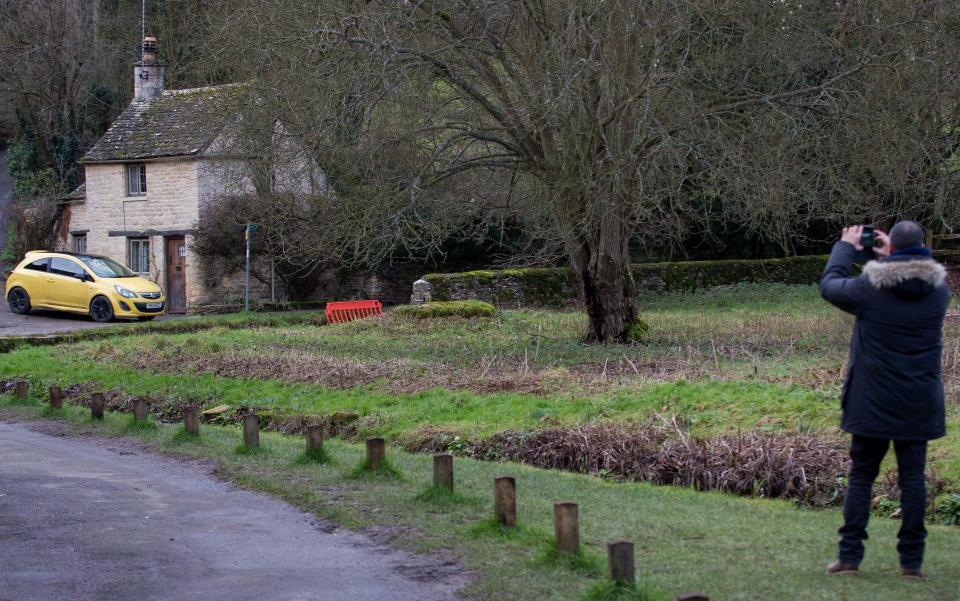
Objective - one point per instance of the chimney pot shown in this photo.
(149, 49)
(148, 73)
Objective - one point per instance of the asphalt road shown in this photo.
(103, 520)
(42, 321)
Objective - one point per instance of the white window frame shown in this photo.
(136, 179)
(138, 255)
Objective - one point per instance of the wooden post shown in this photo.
(97, 403)
(566, 527)
(251, 430)
(314, 439)
(22, 390)
(191, 420)
(443, 471)
(376, 452)
(693, 597)
(139, 409)
(620, 559)
(56, 397)
(505, 500)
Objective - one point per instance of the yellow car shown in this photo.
(82, 283)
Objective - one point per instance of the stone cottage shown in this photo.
(148, 179)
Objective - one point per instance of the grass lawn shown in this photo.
(757, 357)
(731, 548)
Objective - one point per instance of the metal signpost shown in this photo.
(247, 234)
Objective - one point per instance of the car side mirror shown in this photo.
(83, 277)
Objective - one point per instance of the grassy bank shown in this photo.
(729, 547)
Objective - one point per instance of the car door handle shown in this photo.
(49, 281)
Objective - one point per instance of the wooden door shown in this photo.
(176, 275)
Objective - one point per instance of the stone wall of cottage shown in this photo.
(172, 204)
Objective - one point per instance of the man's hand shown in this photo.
(883, 247)
(853, 234)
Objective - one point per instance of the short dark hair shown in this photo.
(906, 234)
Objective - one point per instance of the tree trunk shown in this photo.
(602, 266)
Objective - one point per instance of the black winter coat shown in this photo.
(893, 389)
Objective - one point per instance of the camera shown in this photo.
(868, 239)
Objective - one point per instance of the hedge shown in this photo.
(557, 286)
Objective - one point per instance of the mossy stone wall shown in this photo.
(557, 286)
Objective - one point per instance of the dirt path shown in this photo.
(103, 520)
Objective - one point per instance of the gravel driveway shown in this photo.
(103, 520)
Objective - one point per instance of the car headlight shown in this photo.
(124, 292)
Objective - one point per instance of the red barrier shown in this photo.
(349, 310)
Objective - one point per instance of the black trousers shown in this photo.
(866, 455)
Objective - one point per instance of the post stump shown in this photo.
(251, 430)
(22, 389)
(620, 559)
(139, 409)
(191, 420)
(376, 452)
(56, 397)
(505, 500)
(97, 404)
(443, 471)
(566, 527)
(314, 439)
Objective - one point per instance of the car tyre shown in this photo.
(19, 301)
(101, 309)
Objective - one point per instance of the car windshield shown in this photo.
(106, 268)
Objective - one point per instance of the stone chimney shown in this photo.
(148, 73)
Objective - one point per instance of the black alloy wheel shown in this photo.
(19, 301)
(101, 310)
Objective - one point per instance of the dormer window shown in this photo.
(136, 179)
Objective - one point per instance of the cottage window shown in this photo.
(79, 243)
(138, 254)
(136, 179)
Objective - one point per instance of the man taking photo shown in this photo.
(893, 389)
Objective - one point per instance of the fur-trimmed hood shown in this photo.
(907, 276)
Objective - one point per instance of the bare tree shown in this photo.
(597, 123)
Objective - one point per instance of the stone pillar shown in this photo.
(422, 292)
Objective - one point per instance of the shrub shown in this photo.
(465, 308)
(786, 466)
(949, 510)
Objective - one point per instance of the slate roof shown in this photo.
(79, 194)
(178, 123)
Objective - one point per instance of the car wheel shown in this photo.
(19, 301)
(146, 318)
(101, 309)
